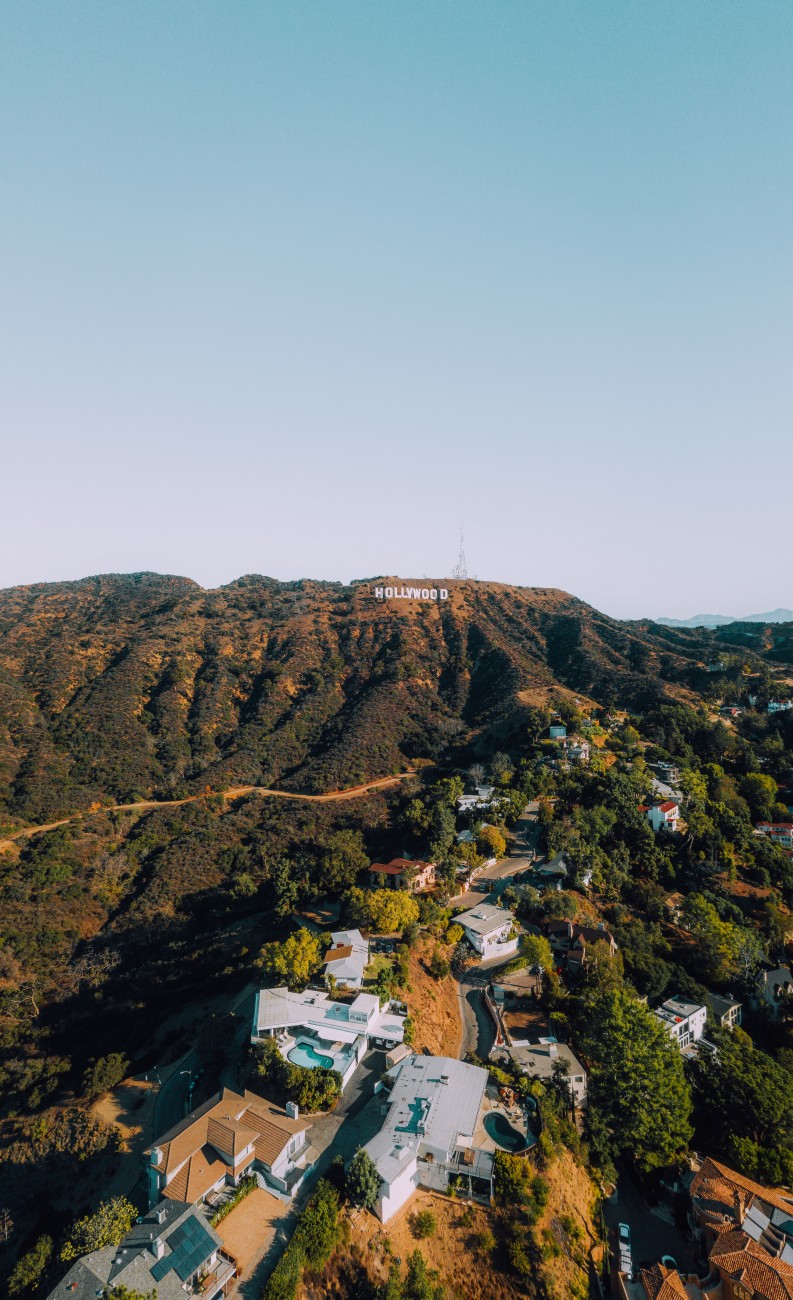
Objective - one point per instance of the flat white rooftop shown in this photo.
(485, 918)
(332, 1021)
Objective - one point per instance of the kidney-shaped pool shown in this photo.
(498, 1127)
(306, 1054)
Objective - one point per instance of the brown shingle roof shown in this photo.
(196, 1176)
(338, 954)
(192, 1153)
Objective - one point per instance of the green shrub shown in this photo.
(423, 1224)
(244, 1186)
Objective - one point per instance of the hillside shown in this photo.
(122, 687)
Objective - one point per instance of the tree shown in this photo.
(344, 858)
(536, 951)
(637, 1085)
(104, 1074)
(724, 950)
(439, 965)
(744, 1106)
(105, 1227)
(6, 1225)
(293, 960)
(760, 791)
(30, 1269)
(362, 1183)
(491, 842)
(421, 1283)
(392, 910)
(502, 769)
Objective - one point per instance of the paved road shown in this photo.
(478, 1032)
(653, 1232)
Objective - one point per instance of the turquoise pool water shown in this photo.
(498, 1127)
(307, 1056)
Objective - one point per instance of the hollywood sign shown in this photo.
(411, 593)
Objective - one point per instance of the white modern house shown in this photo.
(664, 816)
(313, 1031)
(684, 1020)
(488, 929)
(779, 706)
(431, 1118)
(347, 960)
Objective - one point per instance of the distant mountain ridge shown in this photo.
(722, 620)
(124, 686)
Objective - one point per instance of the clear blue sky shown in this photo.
(294, 288)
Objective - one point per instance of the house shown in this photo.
(170, 1251)
(576, 750)
(311, 1030)
(721, 1197)
(231, 1135)
(664, 816)
(402, 873)
(747, 1271)
(747, 1230)
(489, 930)
(347, 960)
(545, 1059)
(569, 942)
(780, 833)
(776, 991)
(661, 1283)
(428, 1134)
(725, 1010)
(684, 1020)
(779, 706)
(554, 873)
(481, 798)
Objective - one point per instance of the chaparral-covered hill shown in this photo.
(126, 686)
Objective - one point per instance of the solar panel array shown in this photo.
(190, 1245)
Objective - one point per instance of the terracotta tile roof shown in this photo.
(717, 1186)
(662, 1283)
(667, 806)
(388, 868)
(742, 1259)
(197, 1175)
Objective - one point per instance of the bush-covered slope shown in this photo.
(123, 686)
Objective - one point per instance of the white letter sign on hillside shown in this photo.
(411, 593)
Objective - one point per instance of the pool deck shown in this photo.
(515, 1114)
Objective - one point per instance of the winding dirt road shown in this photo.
(352, 792)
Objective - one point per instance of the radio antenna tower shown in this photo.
(460, 570)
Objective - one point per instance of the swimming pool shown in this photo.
(306, 1054)
(498, 1127)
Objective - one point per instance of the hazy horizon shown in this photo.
(293, 288)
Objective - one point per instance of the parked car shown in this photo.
(624, 1234)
